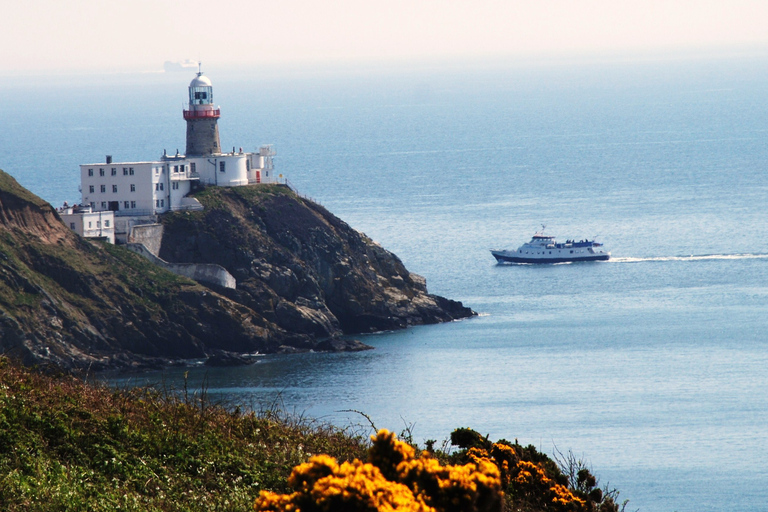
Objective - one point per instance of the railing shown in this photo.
(201, 114)
(186, 175)
(134, 212)
(293, 188)
(188, 207)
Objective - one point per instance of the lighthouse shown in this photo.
(135, 192)
(202, 119)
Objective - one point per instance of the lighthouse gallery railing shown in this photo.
(201, 114)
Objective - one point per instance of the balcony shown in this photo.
(202, 114)
(186, 175)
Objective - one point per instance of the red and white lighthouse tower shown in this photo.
(202, 119)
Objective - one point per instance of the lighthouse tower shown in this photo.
(202, 118)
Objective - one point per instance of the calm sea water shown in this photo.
(653, 366)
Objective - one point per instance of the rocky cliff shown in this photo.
(299, 266)
(75, 304)
(303, 277)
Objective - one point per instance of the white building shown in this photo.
(89, 224)
(137, 188)
(137, 191)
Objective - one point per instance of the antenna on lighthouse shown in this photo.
(199, 68)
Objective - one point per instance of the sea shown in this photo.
(652, 368)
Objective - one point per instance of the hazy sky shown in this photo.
(136, 35)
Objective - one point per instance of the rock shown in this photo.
(341, 345)
(324, 279)
(288, 349)
(222, 358)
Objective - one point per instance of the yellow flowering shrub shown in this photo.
(458, 488)
(393, 479)
(533, 483)
(530, 479)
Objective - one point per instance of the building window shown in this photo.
(125, 171)
(181, 167)
(103, 188)
(90, 224)
(103, 205)
(98, 223)
(106, 223)
(90, 189)
(157, 170)
(114, 188)
(72, 225)
(126, 204)
(114, 171)
(133, 204)
(101, 172)
(133, 187)
(192, 166)
(175, 168)
(222, 166)
(175, 185)
(162, 203)
(130, 171)
(157, 203)
(90, 172)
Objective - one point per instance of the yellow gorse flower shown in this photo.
(393, 480)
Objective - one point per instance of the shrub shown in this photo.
(531, 480)
(392, 479)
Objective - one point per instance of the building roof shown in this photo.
(117, 164)
(200, 81)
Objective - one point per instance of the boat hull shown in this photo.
(502, 257)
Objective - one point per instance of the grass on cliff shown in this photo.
(10, 186)
(213, 197)
(79, 276)
(67, 445)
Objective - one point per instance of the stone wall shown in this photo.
(203, 137)
(205, 273)
(149, 235)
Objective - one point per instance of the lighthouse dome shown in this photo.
(200, 81)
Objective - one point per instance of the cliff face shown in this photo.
(70, 303)
(302, 276)
(301, 267)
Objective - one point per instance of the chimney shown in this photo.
(109, 159)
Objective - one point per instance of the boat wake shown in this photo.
(692, 257)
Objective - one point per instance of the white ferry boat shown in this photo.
(545, 249)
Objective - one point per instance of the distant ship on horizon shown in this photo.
(179, 65)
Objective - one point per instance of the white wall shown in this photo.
(235, 170)
(91, 224)
(140, 188)
(140, 199)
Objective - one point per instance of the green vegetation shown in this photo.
(214, 197)
(69, 445)
(10, 186)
